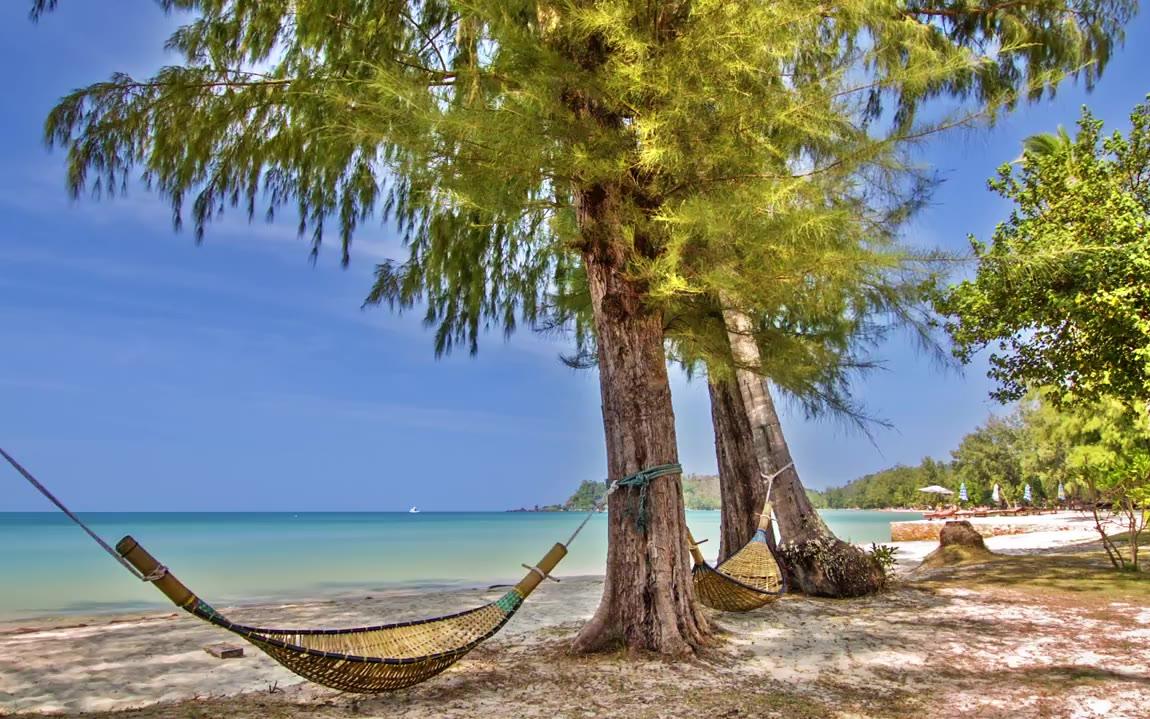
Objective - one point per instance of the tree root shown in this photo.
(829, 567)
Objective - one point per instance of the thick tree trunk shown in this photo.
(741, 490)
(648, 597)
(817, 562)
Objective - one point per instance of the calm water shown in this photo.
(49, 566)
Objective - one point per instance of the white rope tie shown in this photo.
(156, 574)
(770, 480)
(540, 572)
(771, 477)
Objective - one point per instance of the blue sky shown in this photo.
(141, 372)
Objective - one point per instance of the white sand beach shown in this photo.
(1041, 532)
(939, 646)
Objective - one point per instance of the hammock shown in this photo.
(750, 578)
(362, 659)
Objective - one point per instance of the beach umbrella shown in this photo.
(1061, 492)
(935, 489)
(962, 495)
(1027, 495)
(996, 494)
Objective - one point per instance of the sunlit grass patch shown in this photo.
(1085, 574)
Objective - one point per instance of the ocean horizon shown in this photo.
(51, 568)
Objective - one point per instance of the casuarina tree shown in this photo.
(749, 438)
(627, 136)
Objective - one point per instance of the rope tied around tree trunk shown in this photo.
(770, 480)
(641, 480)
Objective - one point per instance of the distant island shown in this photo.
(701, 491)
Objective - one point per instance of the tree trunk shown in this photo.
(817, 562)
(741, 490)
(648, 596)
(1132, 536)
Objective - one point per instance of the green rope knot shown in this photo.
(641, 479)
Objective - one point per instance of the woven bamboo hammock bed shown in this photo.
(371, 659)
(363, 659)
(749, 579)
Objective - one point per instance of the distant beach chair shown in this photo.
(942, 513)
(976, 512)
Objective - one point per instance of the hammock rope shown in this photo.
(151, 577)
(641, 480)
(750, 578)
(368, 659)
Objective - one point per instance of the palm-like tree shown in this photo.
(1047, 144)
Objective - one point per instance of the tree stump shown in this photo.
(958, 543)
(962, 533)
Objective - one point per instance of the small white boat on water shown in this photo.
(413, 510)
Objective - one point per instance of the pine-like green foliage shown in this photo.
(1002, 451)
(1063, 289)
(1100, 451)
(702, 491)
(993, 454)
(1103, 444)
(751, 148)
(1097, 451)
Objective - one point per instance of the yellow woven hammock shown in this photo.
(363, 659)
(749, 579)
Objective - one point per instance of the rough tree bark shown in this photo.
(741, 491)
(648, 597)
(817, 562)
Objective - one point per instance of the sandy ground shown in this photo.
(1032, 522)
(928, 647)
(998, 525)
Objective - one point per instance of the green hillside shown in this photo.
(700, 491)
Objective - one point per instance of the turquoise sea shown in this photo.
(48, 566)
